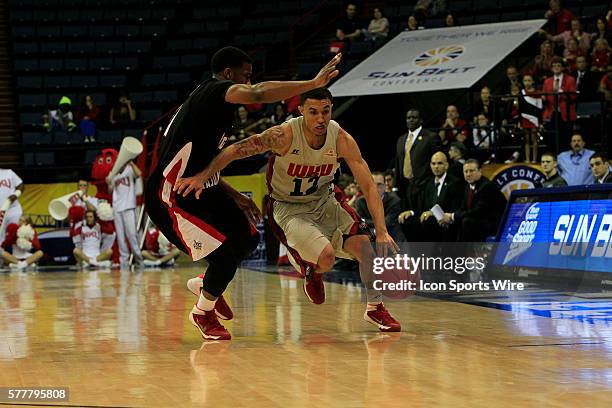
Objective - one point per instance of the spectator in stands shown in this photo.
(378, 30)
(392, 205)
(62, 118)
(444, 190)
(87, 118)
(390, 182)
(530, 108)
(602, 31)
(512, 79)
(573, 165)
(457, 153)
(279, 115)
(352, 193)
(158, 250)
(412, 154)
(559, 19)
(565, 110)
(605, 85)
(600, 57)
(349, 28)
(89, 238)
(451, 20)
(481, 208)
(454, 128)
(586, 80)
(483, 133)
(542, 62)
(244, 126)
(485, 106)
(549, 168)
(429, 8)
(21, 247)
(122, 112)
(571, 53)
(600, 167)
(575, 32)
(413, 24)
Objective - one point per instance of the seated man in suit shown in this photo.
(457, 153)
(445, 190)
(392, 205)
(600, 167)
(481, 209)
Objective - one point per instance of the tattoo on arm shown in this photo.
(249, 146)
(273, 138)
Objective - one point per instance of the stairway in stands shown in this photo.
(9, 145)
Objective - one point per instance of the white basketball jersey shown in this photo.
(124, 191)
(304, 174)
(8, 185)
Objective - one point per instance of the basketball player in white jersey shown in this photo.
(124, 212)
(314, 226)
(89, 238)
(11, 187)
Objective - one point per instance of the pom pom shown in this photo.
(164, 244)
(24, 244)
(105, 211)
(26, 232)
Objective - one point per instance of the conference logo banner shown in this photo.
(435, 59)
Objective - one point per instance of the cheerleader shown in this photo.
(21, 245)
(159, 251)
(530, 108)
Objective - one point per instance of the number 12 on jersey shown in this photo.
(297, 190)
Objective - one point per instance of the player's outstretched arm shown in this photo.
(349, 151)
(276, 139)
(274, 91)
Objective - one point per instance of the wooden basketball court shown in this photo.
(122, 339)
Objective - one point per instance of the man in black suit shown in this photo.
(412, 171)
(457, 153)
(391, 204)
(587, 82)
(445, 190)
(481, 209)
(600, 167)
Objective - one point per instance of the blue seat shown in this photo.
(28, 64)
(45, 158)
(92, 14)
(126, 63)
(29, 81)
(61, 81)
(23, 31)
(109, 47)
(83, 47)
(25, 48)
(101, 63)
(28, 159)
(193, 60)
(162, 14)
(137, 46)
(32, 100)
(51, 64)
(115, 14)
(153, 79)
(75, 31)
(101, 31)
(202, 13)
(205, 43)
(85, 81)
(230, 11)
(194, 28)
(139, 14)
(32, 138)
(109, 136)
(113, 81)
(149, 115)
(171, 61)
(178, 77)
(217, 26)
(153, 30)
(76, 64)
(165, 96)
(49, 31)
(67, 138)
(127, 30)
(90, 156)
(179, 45)
(141, 97)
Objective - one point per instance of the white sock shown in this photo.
(372, 306)
(22, 264)
(205, 304)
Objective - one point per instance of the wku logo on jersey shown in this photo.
(5, 183)
(304, 170)
(123, 181)
(90, 234)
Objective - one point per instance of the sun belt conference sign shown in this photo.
(435, 59)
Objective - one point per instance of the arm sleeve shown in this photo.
(216, 92)
(17, 181)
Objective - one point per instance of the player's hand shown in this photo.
(249, 208)
(385, 245)
(328, 72)
(404, 216)
(426, 215)
(184, 186)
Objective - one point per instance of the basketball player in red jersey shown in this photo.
(305, 215)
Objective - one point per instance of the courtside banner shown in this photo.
(435, 59)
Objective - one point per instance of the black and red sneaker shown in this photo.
(313, 286)
(381, 318)
(222, 309)
(208, 324)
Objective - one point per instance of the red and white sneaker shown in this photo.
(222, 309)
(313, 286)
(381, 318)
(208, 324)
